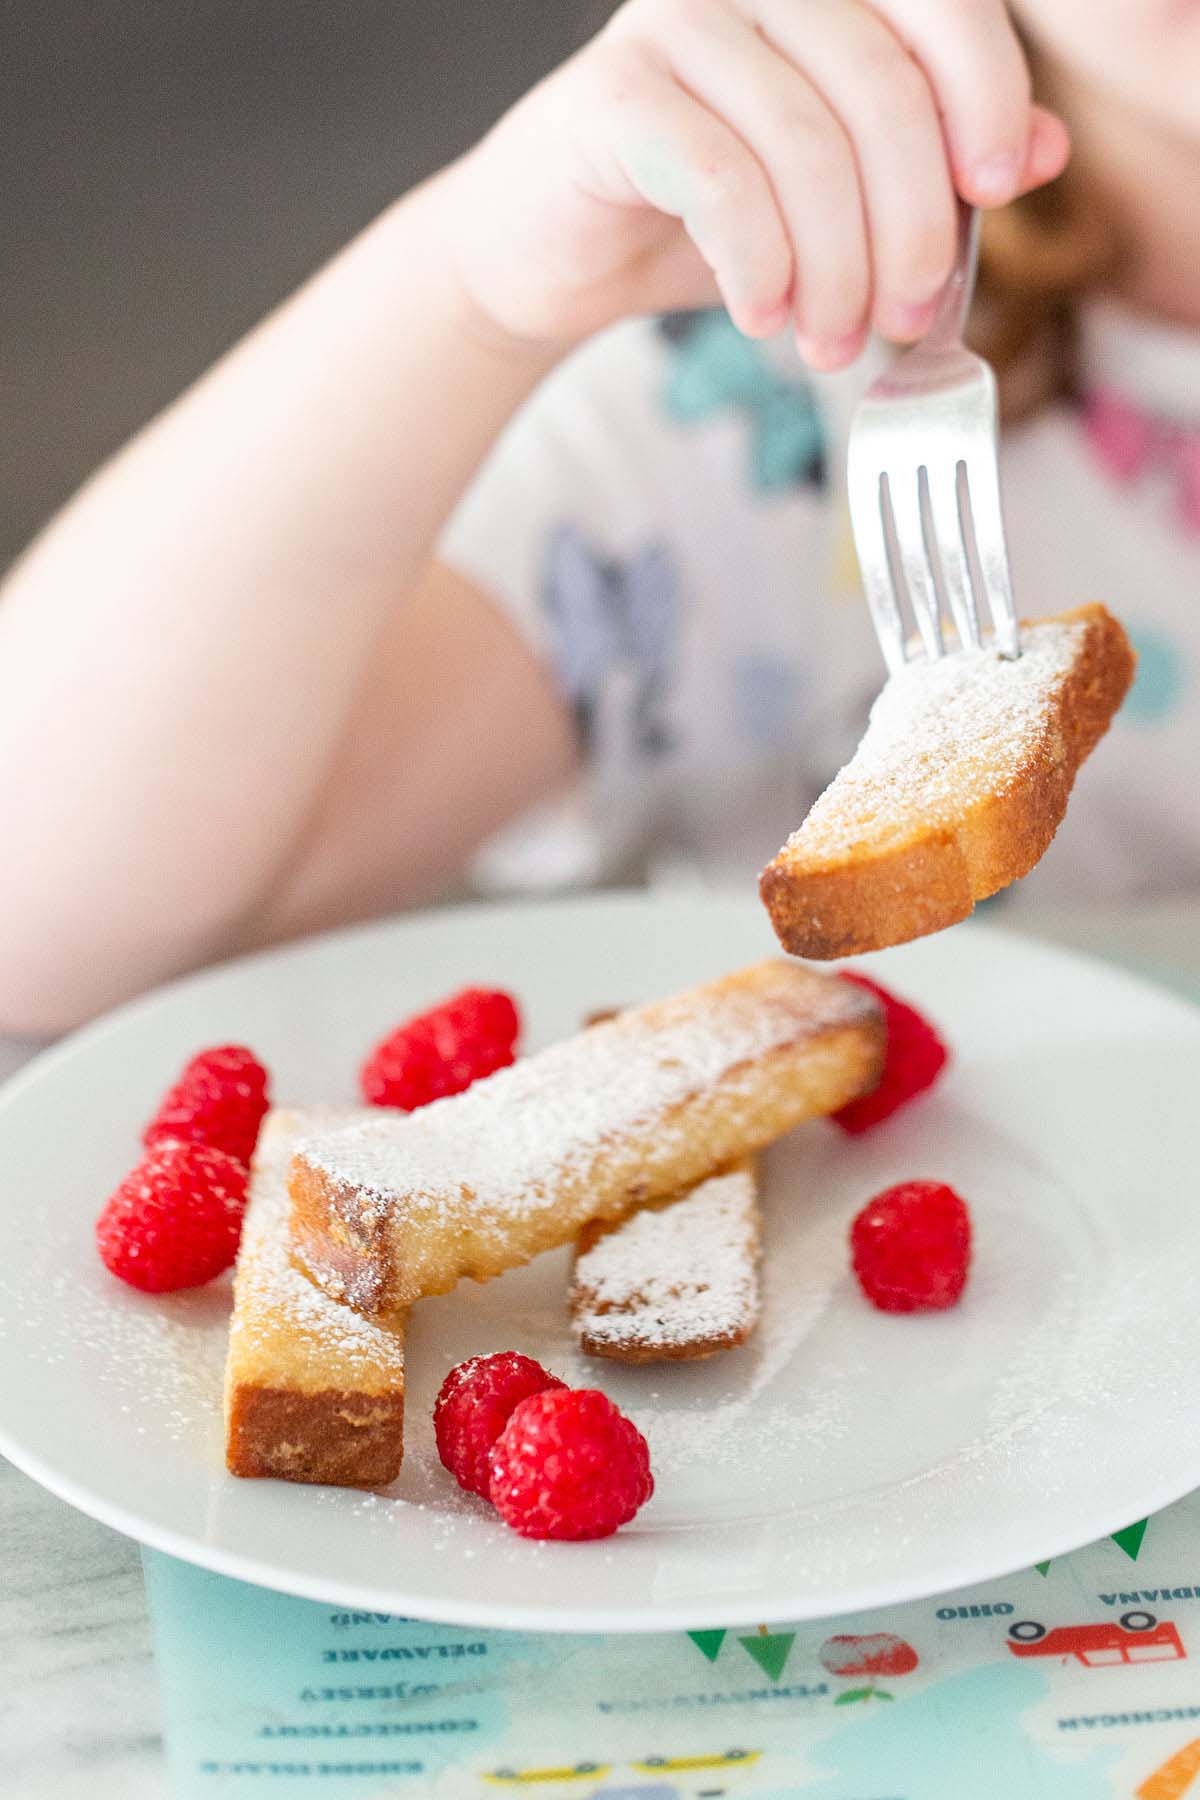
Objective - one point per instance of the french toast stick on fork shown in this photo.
(956, 790)
(626, 1112)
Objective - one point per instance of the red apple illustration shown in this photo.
(879, 1653)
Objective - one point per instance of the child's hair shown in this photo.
(1041, 257)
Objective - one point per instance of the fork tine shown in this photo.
(870, 541)
(986, 517)
(925, 487)
(952, 551)
(904, 494)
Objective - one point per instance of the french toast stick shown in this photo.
(956, 790)
(672, 1283)
(627, 1112)
(313, 1391)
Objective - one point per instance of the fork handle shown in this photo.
(955, 303)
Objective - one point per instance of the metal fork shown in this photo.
(924, 488)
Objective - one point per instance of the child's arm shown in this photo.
(189, 654)
(236, 698)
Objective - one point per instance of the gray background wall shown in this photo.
(170, 168)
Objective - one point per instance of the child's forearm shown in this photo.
(181, 651)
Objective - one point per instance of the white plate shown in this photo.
(842, 1460)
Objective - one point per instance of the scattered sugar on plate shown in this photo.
(162, 1355)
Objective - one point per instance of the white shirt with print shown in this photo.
(665, 521)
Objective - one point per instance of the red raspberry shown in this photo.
(220, 1100)
(915, 1058)
(473, 1407)
(175, 1220)
(911, 1247)
(442, 1051)
(569, 1465)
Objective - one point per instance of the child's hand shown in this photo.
(797, 158)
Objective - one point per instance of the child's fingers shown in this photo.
(972, 56)
(884, 100)
(678, 157)
(810, 163)
(1049, 149)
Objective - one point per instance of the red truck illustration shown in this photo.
(1135, 1637)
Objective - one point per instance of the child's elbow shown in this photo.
(48, 988)
(41, 1003)
(61, 967)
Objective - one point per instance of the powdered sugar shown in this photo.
(159, 1357)
(278, 1312)
(686, 1274)
(500, 1148)
(937, 729)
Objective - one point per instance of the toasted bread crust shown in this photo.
(629, 1350)
(342, 1243)
(889, 891)
(379, 1244)
(336, 1436)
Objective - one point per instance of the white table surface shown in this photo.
(78, 1701)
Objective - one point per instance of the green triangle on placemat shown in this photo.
(1129, 1539)
(770, 1651)
(1043, 1568)
(708, 1643)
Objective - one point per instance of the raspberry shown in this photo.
(569, 1465)
(911, 1246)
(442, 1051)
(915, 1058)
(220, 1100)
(473, 1407)
(175, 1220)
